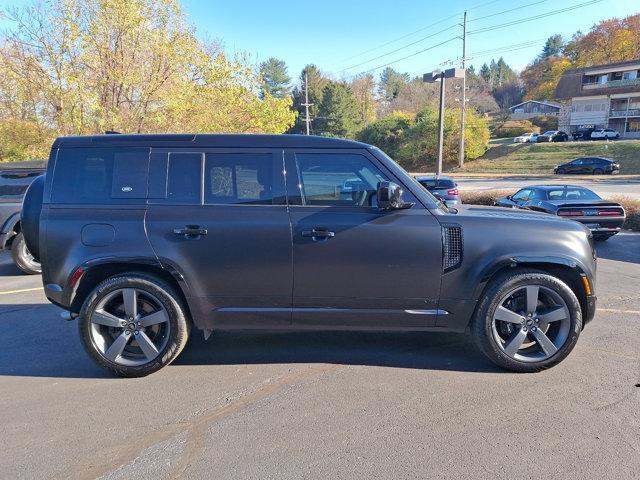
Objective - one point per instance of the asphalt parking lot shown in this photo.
(323, 405)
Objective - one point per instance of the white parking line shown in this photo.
(615, 310)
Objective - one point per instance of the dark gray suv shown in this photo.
(143, 237)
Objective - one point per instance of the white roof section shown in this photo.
(541, 102)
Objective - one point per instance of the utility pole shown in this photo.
(464, 89)
(306, 103)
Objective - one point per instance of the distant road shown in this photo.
(607, 187)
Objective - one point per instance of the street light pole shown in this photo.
(464, 92)
(440, 128)
(432, 78)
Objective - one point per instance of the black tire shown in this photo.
(561, 171)
(178, 324)
(482, 324)
(22, 258)
(598, 171)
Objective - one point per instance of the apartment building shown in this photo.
(602, 96)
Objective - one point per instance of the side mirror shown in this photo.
(509, 197)
(390, 197)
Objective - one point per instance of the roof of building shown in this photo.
(542, 102)
(570, 84)
(209, 140)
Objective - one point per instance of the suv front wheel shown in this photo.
(527, 321)
(133, 325)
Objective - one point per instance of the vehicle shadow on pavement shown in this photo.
(8, 269)
(622, 248)
(418, 350)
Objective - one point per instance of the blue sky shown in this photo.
(338, 34)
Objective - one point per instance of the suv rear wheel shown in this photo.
(527, 321)
(22, 257)
(133, 325)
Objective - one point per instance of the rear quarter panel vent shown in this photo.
(452, 247)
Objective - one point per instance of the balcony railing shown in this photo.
(629, 82)
(632, 112)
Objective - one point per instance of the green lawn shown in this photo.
(540, 158)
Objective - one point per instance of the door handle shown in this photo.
(318, 234)
(190, 231)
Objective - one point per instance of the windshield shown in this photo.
(550, 132)
(572, 193)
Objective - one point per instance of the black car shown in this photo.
(14, 179)
(589, 166)
(602, 217)
(443, 188)
(583, 133)
(145, 238)
(553, 136)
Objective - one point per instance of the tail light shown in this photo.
(453, 191)
(570, 213)
(609, 213)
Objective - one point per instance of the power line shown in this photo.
(535, 17)
(412, 55)
(400, 48)
(507, 11)
(397, 39)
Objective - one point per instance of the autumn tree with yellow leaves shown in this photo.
(76, 67)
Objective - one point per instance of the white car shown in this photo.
(604, 133)
(526, 138)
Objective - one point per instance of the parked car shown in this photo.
(526, 138)
(443, 188)
(602, 217)
(14, 179)
(589, 165)
(144, 238)
(604, 134)
(553, 136)
(582, 134)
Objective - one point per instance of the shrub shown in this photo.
(513, 128)
(546, 123)
(23, 140)
(388, 133)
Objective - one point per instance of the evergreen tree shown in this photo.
(553, 47)
(391, 82)
(338, 113)
(274, 78)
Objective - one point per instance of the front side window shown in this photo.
(522, 196)
(242, 179)
(338, 179)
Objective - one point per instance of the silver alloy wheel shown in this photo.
(129, 327)
(531, 323)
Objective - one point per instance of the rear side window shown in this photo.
(100, 176)
(242, 179)
(183, 177)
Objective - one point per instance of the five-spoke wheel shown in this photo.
(133, 325)
(527, 321)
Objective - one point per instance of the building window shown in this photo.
(633, 126)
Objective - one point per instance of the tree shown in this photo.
(553, 47)
(338, 113)
(85, 66)
(317, 82)
(540, 79)
(509, 94)
(362, 87)
(388, 133)
(275, 81)
(390, 84)
(614, 40)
